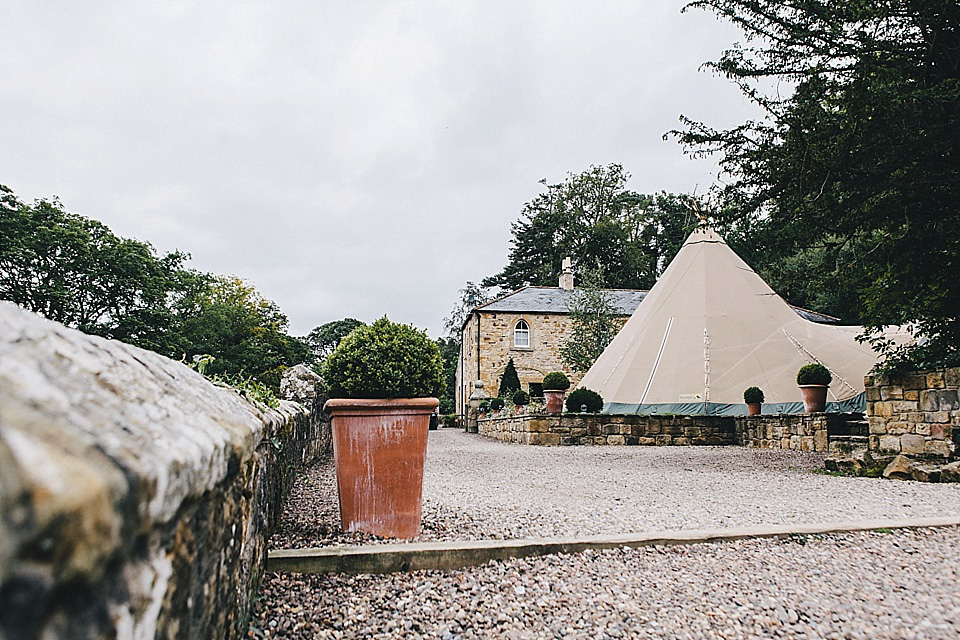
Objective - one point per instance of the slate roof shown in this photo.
(625, 301)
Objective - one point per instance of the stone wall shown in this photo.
(135, 496)
(796, 432)
(916, 413)
(602, 429)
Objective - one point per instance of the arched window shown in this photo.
(521, 334)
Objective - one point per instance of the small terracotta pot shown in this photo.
(554, 400)
(379, 447)
(753, 408)
(814, 397)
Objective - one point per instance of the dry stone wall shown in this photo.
(915, 413)
(135, 496)
(793, 432)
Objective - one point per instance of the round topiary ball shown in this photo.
(496, 404)
(556, 381)
(814, 373)
(753, 395)
(385, 360)
(582, 396)
(521, 397)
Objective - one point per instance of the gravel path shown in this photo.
(478, 488)
(867, 585)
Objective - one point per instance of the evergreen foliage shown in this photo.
(509, 380)
(556, 381)
(385, 360)
(753, 395)
(594, 323)
(581, 397)
(852, 180)
(520, 397)
(814, 373)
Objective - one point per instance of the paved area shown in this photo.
(877, 584)
(477, 488)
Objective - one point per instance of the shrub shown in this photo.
(509, 380)
(753, 395)
(556, 381)
(496, 404)
(579, 398)
(521, 397)
(814, 373)
(385, 360)
(450, 420)
(484, 406)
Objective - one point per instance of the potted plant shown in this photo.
(555, 385)
(383, 381)
(583, 400)
(753, 396)
(520, 399)
(483, 407)
(814, 379)
(496, 404)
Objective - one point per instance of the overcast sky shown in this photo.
(350, 159)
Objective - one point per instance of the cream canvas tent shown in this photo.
(710, 328)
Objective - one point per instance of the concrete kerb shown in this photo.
(419, 556)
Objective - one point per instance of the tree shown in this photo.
(594, 323)
(855, 171)
(325, 338)
(594, 219)
(509, 380)
(450, 352)
(471, 296)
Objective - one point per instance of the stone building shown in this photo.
(531, 325)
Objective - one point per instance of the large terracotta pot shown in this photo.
(554, 400)
(379, 447)
(814, 397)
(753, 408)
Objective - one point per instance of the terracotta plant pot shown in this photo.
(554, 400)
(814, 397)
(753, 408)
(379, 447)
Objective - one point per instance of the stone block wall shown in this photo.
(136, 497)
(793, 432)
(916, 413)
(602, 429)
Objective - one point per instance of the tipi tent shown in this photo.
(710, 328)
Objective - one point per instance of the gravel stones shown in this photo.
(864, 585)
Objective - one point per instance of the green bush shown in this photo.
(753, 395)
(509, 380)
(450, 420)
(496, 404)
(556, 381)
(814, 373)
(385, 360)
(484, 406)
(579, 398)
(521, 397)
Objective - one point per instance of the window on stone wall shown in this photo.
(536, 389)
(521, 334)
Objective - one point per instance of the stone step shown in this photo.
(847, 444)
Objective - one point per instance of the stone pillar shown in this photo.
(474, 409)
(566, 276)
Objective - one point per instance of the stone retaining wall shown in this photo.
(915, 413)
(135, 496)
(797, 432)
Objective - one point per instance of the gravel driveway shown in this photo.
(904, 584)
(475, 488)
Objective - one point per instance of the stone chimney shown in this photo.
(566, 276)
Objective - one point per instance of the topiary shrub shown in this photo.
(753, 395)
(484, 406)
(556, 381)
(509, 380)
(496, 404)
(521, 397)
(814, 373)
(385, 360)
(579, 398)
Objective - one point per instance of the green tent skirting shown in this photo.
(856, 404)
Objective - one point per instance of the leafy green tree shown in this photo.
(855, 172)
(509, 380)
(471, 296)
(594, 323)
(594, 219)
(75, 271)
(450, 352)
(325, 338)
